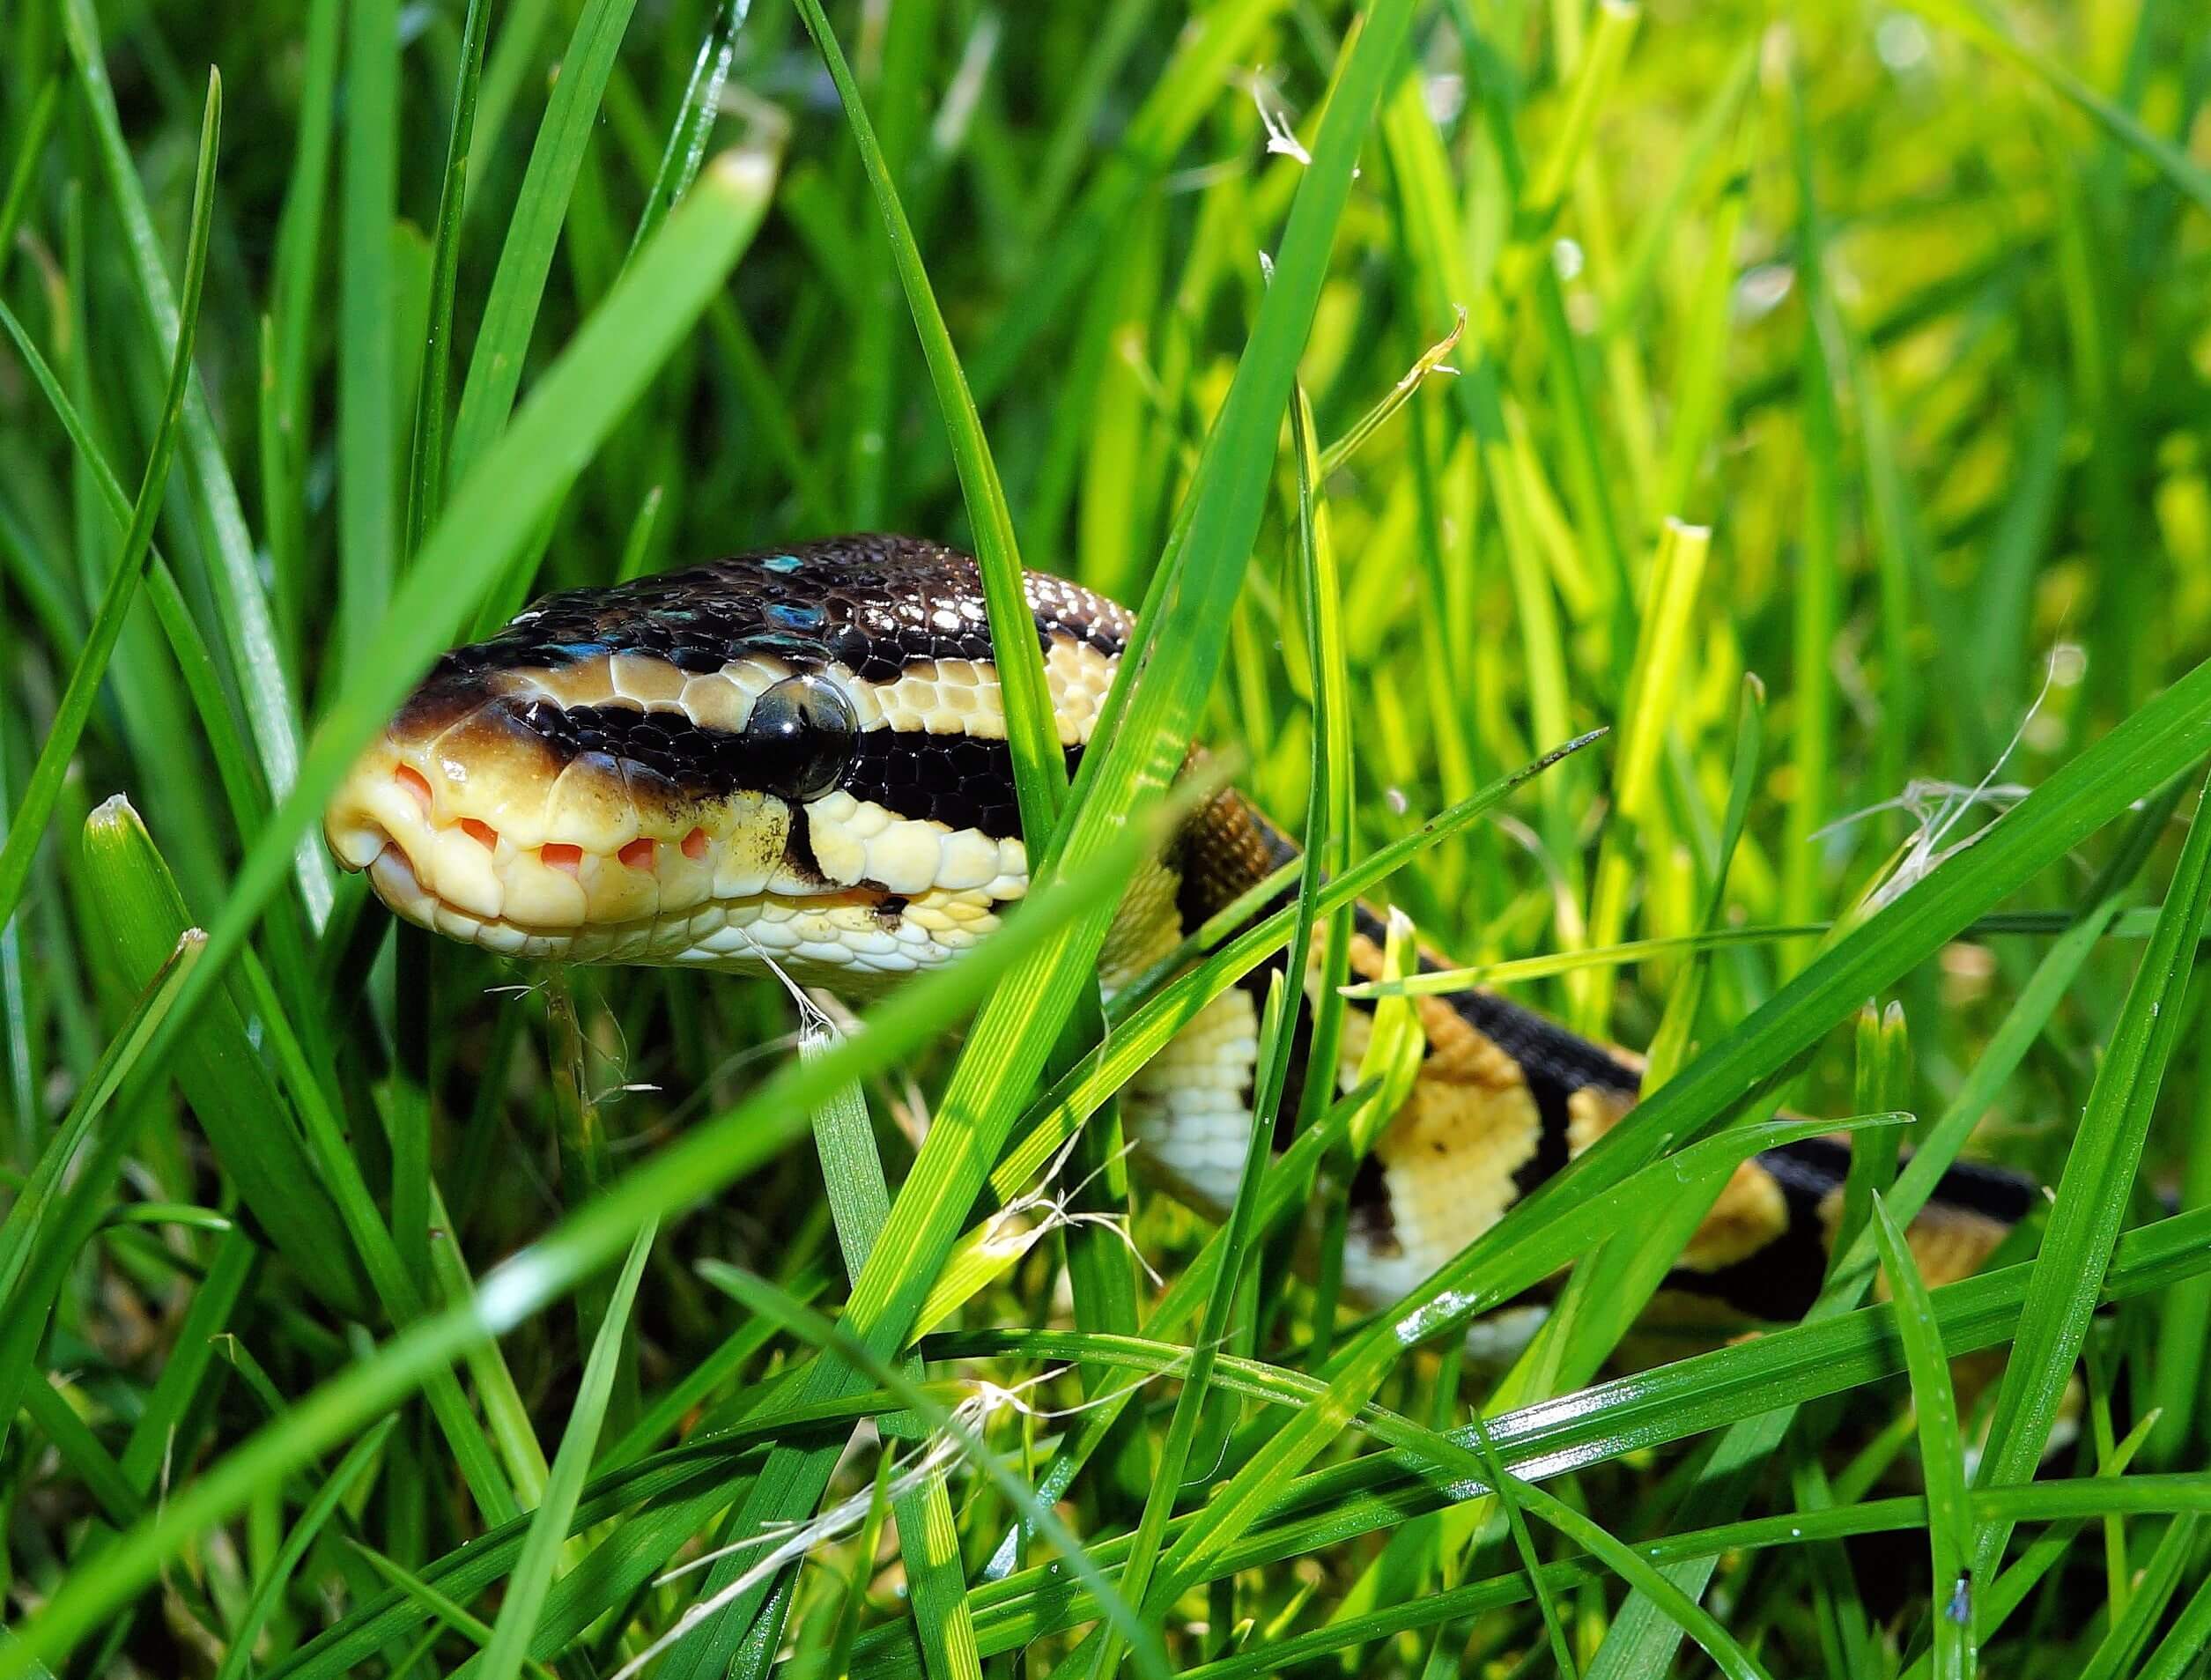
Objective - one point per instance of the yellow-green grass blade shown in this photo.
(27, 825)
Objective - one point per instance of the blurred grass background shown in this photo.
(1861, 348)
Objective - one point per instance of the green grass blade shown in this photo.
(1040, 767)
(329, 1495)
(2094, 1194)
(527, 1586)
(368, 529)
(271, 710)
(425, 479)
(541, 206)
(27, 825)
(1941, 1451)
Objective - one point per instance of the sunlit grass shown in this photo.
(1817, 405)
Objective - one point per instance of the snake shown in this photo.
(796, 761)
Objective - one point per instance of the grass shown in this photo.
(1826, 413)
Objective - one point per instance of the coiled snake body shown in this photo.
(798, 756)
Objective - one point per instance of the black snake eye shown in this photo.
(799, 738)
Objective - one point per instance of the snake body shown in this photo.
(797, 758)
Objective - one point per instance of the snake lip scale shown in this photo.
(797, 758)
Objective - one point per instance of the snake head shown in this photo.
(794, 758)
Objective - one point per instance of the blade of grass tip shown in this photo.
(695, 117)
(540, 205)
(1039, 767)
(427, 481)
(28, 824)
(637, 550)
(234, 579)
(532, 1576)
(220, 1069)
(1150, 719)
(302, 1533)
(2095, 1189)
(367, 347)
(958, 1425)
(1941, 1451)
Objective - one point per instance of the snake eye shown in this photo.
(799, 737)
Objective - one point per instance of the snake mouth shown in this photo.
(490, 849)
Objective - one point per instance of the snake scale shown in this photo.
(798, 757)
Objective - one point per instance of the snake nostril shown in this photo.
(483, 833)
(639, 853)
(695, 844)
(415, 783)
(567, 859)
